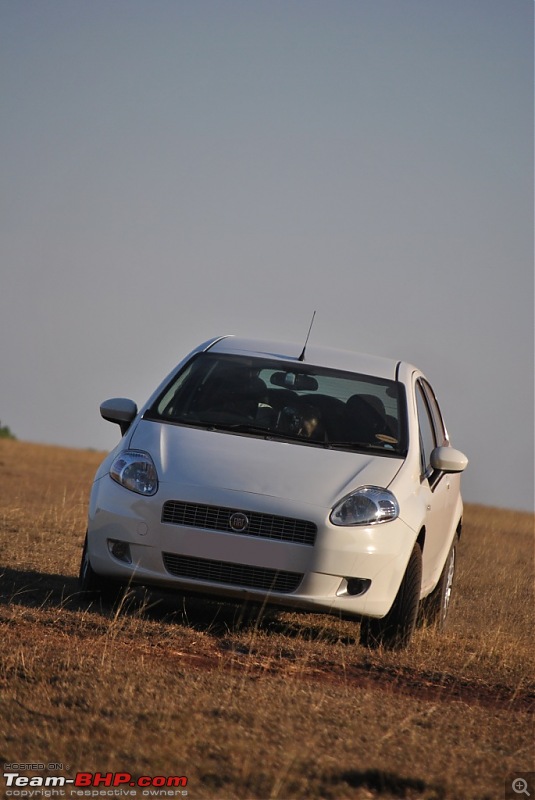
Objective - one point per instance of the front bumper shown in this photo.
(353, 571)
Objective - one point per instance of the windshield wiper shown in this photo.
(239, 427)
(362, 446)
(272, 433)
(268, 433)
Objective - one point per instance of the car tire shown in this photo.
(394, 631)
(93, 585)
(434, 608)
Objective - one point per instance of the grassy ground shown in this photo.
(286, 707)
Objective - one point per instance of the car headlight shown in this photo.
(135, 470)
(368, 505)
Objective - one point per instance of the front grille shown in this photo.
(217, 518)
(204, 569)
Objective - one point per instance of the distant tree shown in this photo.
(5, 433)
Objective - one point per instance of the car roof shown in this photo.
(318, 356)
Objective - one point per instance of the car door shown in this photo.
(435, 487)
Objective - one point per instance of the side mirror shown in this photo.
(119, 410)
(447, 459)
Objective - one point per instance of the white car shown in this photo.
(321, 480)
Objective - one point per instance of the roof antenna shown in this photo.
(302, 356)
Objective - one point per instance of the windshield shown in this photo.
(295, 402)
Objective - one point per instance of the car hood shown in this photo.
(314, 475)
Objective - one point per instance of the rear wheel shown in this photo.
(434, 608)
(394, 631)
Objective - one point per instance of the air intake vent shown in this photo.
(203, 569)
(252, 523)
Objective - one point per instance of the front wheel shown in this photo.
(395, 630)
(93, 585)
(435, 607)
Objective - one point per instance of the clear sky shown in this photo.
(177, 169)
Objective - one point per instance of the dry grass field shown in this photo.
(288, 706)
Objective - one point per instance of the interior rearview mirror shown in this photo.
(298, 381)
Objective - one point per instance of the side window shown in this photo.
(427, 434)
(438, 421)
